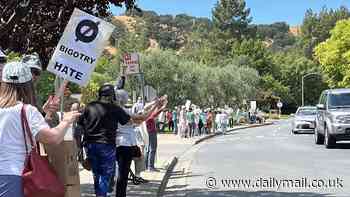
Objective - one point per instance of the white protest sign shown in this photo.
(131, 61)
(79, 48)
(188, 104)
(279, 104)
(253, 105)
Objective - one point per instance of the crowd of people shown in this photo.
(111, 132)
(191, 121)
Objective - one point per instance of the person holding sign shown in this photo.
(17, 95)
(51, 106)
(126, 142)
(99, 122)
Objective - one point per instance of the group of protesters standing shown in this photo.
(191, 121)
(112, 132)
(108, 130)
(112, 137)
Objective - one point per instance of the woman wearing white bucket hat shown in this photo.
(16, 96)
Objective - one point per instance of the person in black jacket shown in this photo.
(99, 122)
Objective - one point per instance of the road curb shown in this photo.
(175, 160)
(235, 129)
(166, 176)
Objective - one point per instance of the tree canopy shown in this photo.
(37, 25)
(334, 55)
(316, 27)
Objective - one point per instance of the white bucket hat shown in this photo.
(16, 72)
(33, 61)
(122, 96)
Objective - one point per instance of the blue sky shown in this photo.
(262, 11)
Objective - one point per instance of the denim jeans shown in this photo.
(175, 127)
(11, 186)
(191, 129)
(151, 150)
(102, 158)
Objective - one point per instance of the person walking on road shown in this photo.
(16, 101)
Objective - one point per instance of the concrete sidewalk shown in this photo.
(170, 147)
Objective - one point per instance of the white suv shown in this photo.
(333, 117)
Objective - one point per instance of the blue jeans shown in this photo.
(175, 126)
(151, 150)
(11, 186)
(102, 158)
(191, 128)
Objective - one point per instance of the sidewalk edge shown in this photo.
(241, 128)
(166, 176)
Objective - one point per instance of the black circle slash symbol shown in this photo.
(85, 34)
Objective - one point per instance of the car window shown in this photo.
(339, 100)
(306, 112)
(322, 99)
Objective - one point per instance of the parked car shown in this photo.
(304, 119)
(333, 117)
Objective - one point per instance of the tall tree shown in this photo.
(316, 26)
(233, 16)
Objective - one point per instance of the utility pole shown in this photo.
(302, 85)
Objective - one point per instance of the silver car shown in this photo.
(304, 119)
(333, 117)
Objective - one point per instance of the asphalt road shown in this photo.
(266, 161)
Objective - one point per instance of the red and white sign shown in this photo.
(131, 61)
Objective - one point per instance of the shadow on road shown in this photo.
(230, 133)
(304, 133)
(87, 190)
(341, 146)
(209, 193)
(181, 175)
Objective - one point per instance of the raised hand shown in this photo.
(70, 117)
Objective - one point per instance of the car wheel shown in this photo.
(329, 141)
(319, 139)
(294, 131)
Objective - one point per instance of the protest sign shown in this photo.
(131, 61)
(82, 43)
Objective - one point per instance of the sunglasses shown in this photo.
(35, 71)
